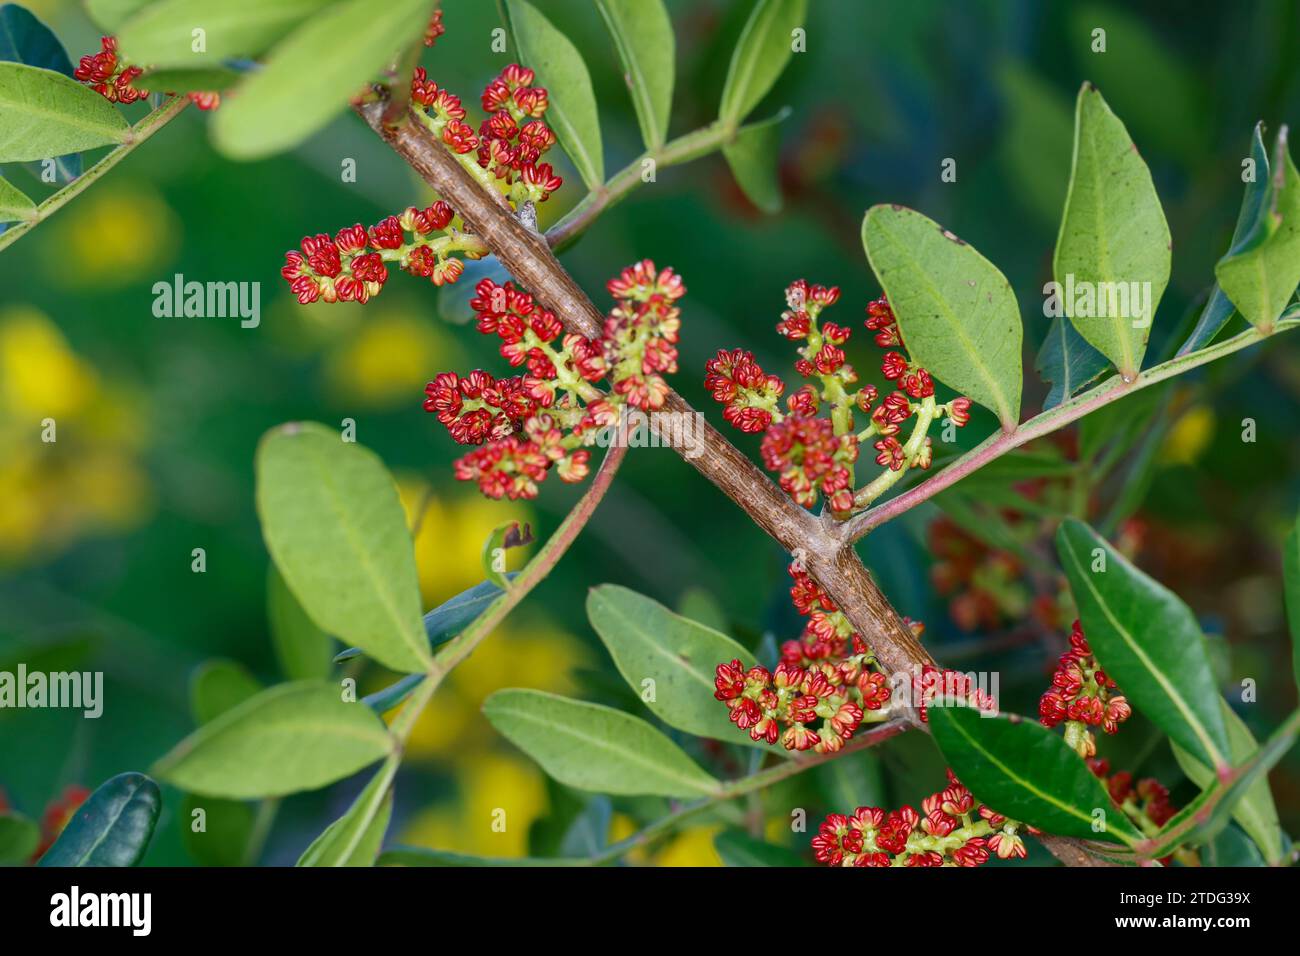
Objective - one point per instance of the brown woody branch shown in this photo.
(829, 558)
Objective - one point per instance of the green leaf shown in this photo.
(956, 311)
(1256, 812)
(112, 828)
(1067, 362)
(643, 34)
(649, 642)
(593, 747)
(450, 617)
(762, 52)
(738, 848)
(1024, 771)
(752, 156)
(45, 114)
(355, 838)
(14, 205)
(1261, 279)
(191, 81)
(1291, 575)
(218, 686)
(19, 838)
(1232, 848)
(425, 856)
(228, 829)
(291, 737)
(302, 648)
(336, 529)
(850, 782)
(1255, 204)
(111, 14)
(162, 34)
(1147, 640)
(1113, 236)
(25, 39)
(503, 538)
(560, 68)
(311, 75)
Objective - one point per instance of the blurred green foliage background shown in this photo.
(158, 418)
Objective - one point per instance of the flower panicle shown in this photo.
(812, 445)
(545, 416)
(109, 75)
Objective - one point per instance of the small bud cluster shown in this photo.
(109, 75)
(1083, 696)
(527, 423)
(828, 674)
(949, 830)
(937, 686)
(813, 455)
(985, 587)
(435, 28)
(510, 142)
(351, 266)
(1146, 803)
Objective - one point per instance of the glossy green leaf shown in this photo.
(643, 34)
(1291, 575)
(1147, 640)
(1255, 204)
(738, 848)
(45, 114)
(1232, 848)
(227, 830)
(1256, 812)
(301, 647)
(355, 838)
(218, 686)
(1067, 362)
(956, 311)
(291, 737)
(190, 81)
(14, 205)
(1261, 279)
(648, 642)
(502, 538)
(753, 157)
(303, 87)
(560, 68)
(1025, 771)
(19, 838)
(112, 828)
(425, 856)
(336, 529)
(593, 747)
(163, 33)
(762, 52)
(1113, 238)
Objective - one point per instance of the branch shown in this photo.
(528, 257)
(140, 132)
(827, 552)
(994, 447)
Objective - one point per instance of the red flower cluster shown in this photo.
(435, 28)
(815, 456)
(826, 674)
(950, 830)
(509, 143)
(351, 267)
(543, 417)
(950, 688)
(108, 75)
(1146, 803)
(984, 587)
(1083, 696)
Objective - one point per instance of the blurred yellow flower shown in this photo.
(1189, 437)
(500, 797)
(114, 234)
(39, 374)
(388, 359)
(693, 847)
(449, 546)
